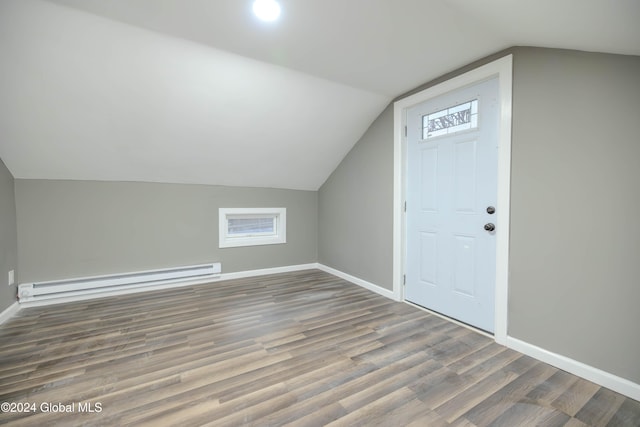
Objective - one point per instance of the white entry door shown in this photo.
(452, 162)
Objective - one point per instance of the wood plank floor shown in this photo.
(298, 349)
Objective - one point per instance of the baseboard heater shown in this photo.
(40, 291)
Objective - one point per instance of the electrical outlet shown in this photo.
(12, 277)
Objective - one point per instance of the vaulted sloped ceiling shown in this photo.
(198, 91)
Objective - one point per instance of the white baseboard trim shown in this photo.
(265, 271)
(367, 285)
(9, 312)
(598, 376)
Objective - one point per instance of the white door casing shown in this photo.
(451, 196)
(502, 69)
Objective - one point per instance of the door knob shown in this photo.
(489, 227)
(491, 210)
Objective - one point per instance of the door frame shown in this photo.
(502, 69)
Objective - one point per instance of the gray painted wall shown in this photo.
(355, 219)
(8, 237)
(78, 228)
(575, 227)
(575, 233)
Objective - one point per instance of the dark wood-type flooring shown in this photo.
(299, 349)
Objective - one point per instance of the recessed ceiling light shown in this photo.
(266, 10)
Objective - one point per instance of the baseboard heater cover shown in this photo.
(39, 291)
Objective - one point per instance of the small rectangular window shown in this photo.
(251, 226)
(450, 120)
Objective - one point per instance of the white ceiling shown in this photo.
(199, 91)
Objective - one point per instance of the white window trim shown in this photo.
(226, 241)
